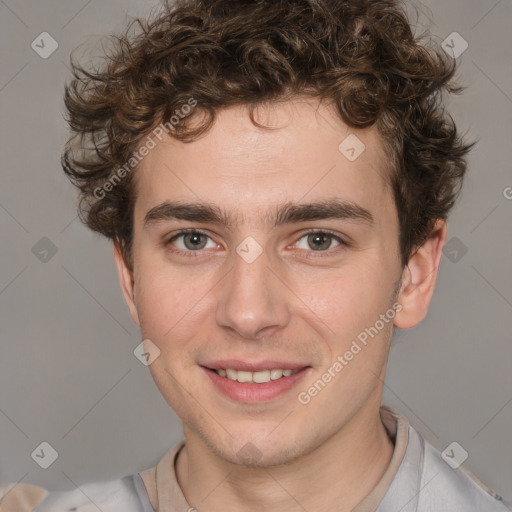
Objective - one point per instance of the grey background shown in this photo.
(68, 375)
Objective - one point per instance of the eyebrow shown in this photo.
(285, 213)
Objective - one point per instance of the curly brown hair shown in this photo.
(359, 55)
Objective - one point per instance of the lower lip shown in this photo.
(254, 393)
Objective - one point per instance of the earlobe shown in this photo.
(127, 283)
(419, 279)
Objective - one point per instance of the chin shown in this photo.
(256, 451)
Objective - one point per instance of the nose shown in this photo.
(252, 299)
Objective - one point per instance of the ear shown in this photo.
(419, 279)
(127, 283)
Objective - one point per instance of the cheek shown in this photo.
(156, 299)
(353, 296)
(162, 299)
(171, 306)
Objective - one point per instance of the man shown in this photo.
(275, 178)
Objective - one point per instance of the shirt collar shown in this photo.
(166, 494)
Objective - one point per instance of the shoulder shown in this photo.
(126, 494)
(430, 481)
(449, 486)
(21, 497)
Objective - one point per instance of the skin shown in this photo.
(294, 302)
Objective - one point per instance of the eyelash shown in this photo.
(193, 254)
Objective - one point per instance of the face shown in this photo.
(253, 285)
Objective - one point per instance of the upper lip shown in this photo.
(253, 366)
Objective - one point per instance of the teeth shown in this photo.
(259, 377)
(244, 376)
(255, 377)
(232, 374)
(276, 374)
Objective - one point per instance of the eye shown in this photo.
(192, 241)
(319, 241)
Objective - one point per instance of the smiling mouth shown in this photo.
(260, 377)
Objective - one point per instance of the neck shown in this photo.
(342, 472)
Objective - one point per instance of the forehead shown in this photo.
(305, 153)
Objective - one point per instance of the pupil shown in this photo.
(316, 237)
(194, 240)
